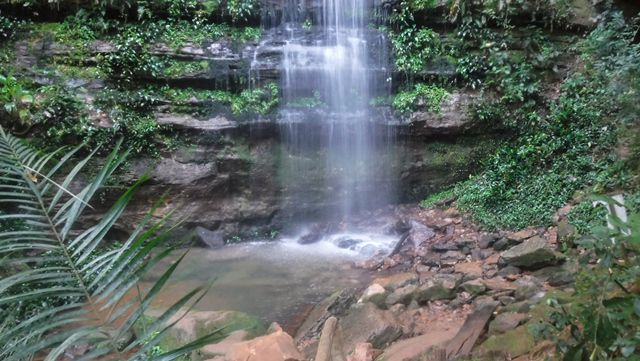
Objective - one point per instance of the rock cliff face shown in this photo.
(227, 172)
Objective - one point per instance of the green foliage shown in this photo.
(259, 100)
(423, 95)
(414, 48)
(557, 154)
(79, 291)
(602, 320)
(241, 10)
(585, 217)
(15, 100)
(174, 68)
(131, 58)
(437, 198)
(62, 117)
(307, 102)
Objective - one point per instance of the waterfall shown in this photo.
(337, 157)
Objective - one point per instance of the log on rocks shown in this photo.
(475, 324)
(400, 243)
(326, 340)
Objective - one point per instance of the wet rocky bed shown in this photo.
(444, 289)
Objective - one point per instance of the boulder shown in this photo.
(397, 280)
(276, 346)
(566, 231)
(513, 343)
(366, 323)
(520, 236)
(531, 254)
(196, 324)
(469, 270)
(507, 321)
(440, 287)
(375, 294)
(402, 295)
(487, 240)
(444, 247)
(474, 287)
(211, 239)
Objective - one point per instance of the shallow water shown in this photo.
(276, 280)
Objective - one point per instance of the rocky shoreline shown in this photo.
(451, 291)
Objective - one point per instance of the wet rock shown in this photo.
(196, 324)
(532, 253)
(556, 276)
(507, 321)
(487, 241)
(470, 270)
(444, 247)
(402, 295)
(441, 287)
(348, 243)
(420, 233)
(397, 280)
(509, 271)
(506, 300)
(375, 294)
(364, 352)
(501, 244)
(528, 287)
(499, 284)
(366, 323)
(474, 287)
(513, 343)
(520, 236)
(310, 238)
(212, 239)
(462, 243)
(276, 346)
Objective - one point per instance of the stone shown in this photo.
(463, 242)
(397, 280)
(196, 324)
(444, 247)
(520, 236)
(420, 233)
(566, 231)
(470, 270)
(507, 321)
(375, 294)
(441, 287)
(402, 295)
(499, 284)
(528, 287)
(414, 347)
(487, 240)
(366, 323)
(474, 287)
(509, 271)
(531, 254)
(276, 346)
(348, 243)
(556, 276)
(211, 239)
(513, 343)
(501, 244)
(364, 352)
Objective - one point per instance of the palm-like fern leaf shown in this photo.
(46, 259)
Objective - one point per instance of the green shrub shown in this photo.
(601, 321)
(423, 95)
(131, 58)
(415, 48)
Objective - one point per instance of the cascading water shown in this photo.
(337, 158)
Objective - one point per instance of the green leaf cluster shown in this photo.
(427, 96)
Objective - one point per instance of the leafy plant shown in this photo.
(132, 58)
(83, 291)
(602, 318)
(423, 95)
(414, 48)
(16, 101)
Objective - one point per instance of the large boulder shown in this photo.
(532, 254)
(440, 287)
(366, 323)
(276, 346)
(197, 324)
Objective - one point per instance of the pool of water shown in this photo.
(276, 280)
